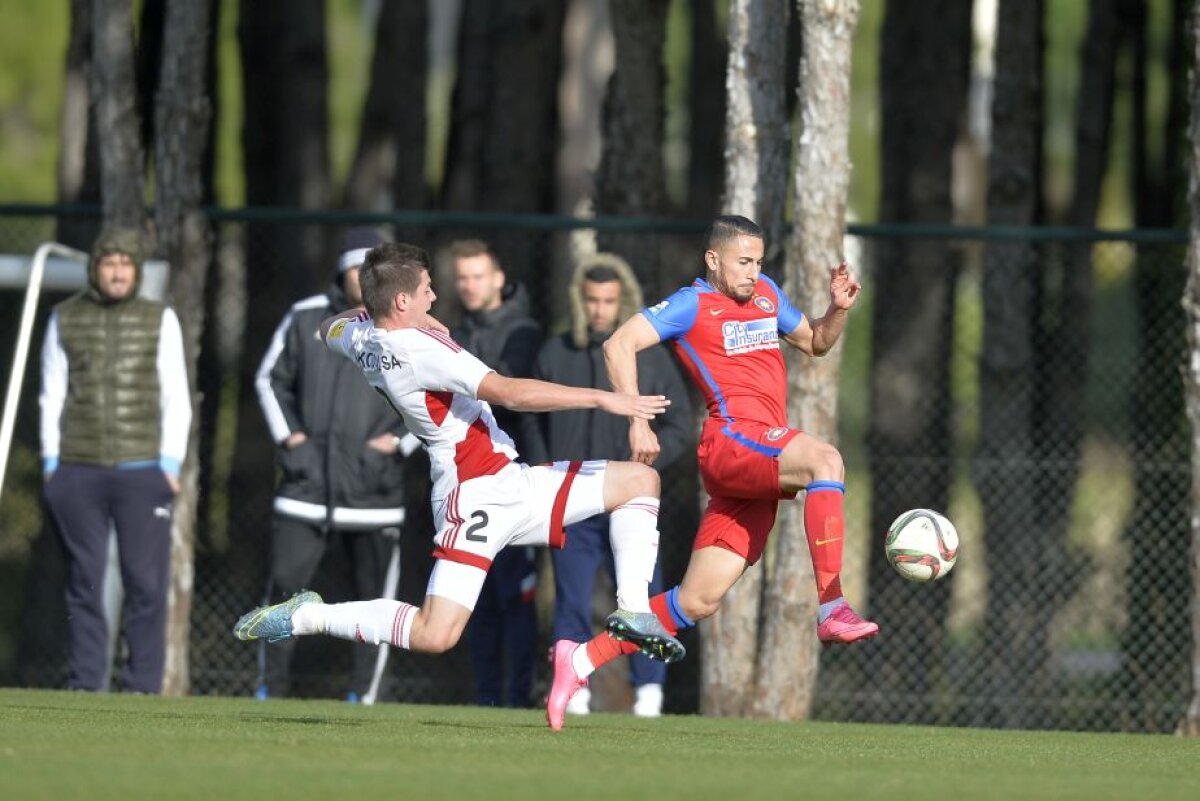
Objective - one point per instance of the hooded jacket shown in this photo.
(114, 383)
(333, 478)
(506, 339)
(576, 358)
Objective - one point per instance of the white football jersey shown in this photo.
(431, 382)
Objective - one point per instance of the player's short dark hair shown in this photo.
(601, 274)
(729, 227)
(388, 270)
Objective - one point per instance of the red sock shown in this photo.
(661, 608)
(604, 648)
(823, 523)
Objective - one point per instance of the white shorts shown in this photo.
(520, 505)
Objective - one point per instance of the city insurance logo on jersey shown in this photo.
(746, 337)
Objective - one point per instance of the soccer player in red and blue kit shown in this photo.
(726, 329)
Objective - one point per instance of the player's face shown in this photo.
(116, 275)
(479, 281)
(734, 266)
(424, 297)
(601, 303)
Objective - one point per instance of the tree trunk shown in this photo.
(1063, 319)
(114, 93)
(706, 109)
(148, 66)
(79, 152)
(909, 436)
(184, 114)
(1190, 725)
(504, 129)
(1157, 579)
(788, 664)
(756, 161)
(1016, 620)
(587, 66)
(630, 178)
(389, 163)
(285, 146)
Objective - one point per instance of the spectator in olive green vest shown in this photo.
(115, 416)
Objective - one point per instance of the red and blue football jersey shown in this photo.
(731, 349)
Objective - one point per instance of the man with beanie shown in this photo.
(604, 293)
(497, 329)
(340, 449)
(116, 411)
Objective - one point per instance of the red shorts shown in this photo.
(739, 466)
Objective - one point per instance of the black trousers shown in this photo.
(297, 547)
(84, 501)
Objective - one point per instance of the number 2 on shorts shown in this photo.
(481, 520)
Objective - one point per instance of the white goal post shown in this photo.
(33, 290)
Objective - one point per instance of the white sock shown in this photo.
(372, 622)
(580, 662)
(633, 534)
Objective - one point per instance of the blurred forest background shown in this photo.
(1021, 371)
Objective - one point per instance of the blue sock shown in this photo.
(828, 608)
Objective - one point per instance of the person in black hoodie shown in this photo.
(498, 330)
(604, 293)
(340, 448)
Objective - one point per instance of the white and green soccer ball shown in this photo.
(922, 545)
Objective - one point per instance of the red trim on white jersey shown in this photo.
(463, 558)
(438, 404)
(474, 455)
(443, 338)
(558, 534)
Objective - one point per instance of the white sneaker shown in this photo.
(580, 703)
(649, 700)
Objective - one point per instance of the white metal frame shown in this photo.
(33, 291)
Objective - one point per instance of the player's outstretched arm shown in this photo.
(817, 338)
(531, 395)
(620, 357)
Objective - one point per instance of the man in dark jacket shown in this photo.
(340, 450)
(116, 412)
(604, 293)
(498, 330)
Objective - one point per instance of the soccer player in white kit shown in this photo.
(483, 500)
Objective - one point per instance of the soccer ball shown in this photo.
(922, 545)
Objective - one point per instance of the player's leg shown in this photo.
(432, 628)
(732, 535)
(631, 493)
(809, 464)
(646, 675)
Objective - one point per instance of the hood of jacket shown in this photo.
(110, 241)
(631, 294)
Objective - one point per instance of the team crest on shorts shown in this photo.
(764, 303)
(775, 433)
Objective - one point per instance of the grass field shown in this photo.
(58, 745)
